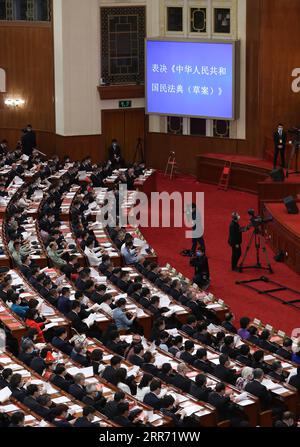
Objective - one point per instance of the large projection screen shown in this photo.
(192, 78)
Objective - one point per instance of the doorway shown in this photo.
(127, 126)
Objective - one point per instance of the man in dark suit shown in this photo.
(152, 398)
(244, 355)
(86, 420)
(115, 343)
(43, 408)
(190, 328)
(199, 388)
(111, 407)
(114, 154)
(200, 264)
(145, 297)
(77, 323)
(5, 377)
(228, 347)
(187, 355)
(94, 398)
(122, 416)
(288, 420)
(38, 363)
(223, 370)
(25, 266)
(59, 341)
(28, 140)
(77, 389)
(277, 371)
(235, 240)
(123, 281)
(59, 378)
(137, 357)
(285, 351)
(148, 366)
(153, 273)
(16, 387)
(28, 353)
(197, 230)
(180, 380)
(280, 138)
(228, 323)
(221, 402)
(169, 409)
(264, 342)
(78, 355)
(256, 388)
(110, 372)
(202, 363)
(30, 400)
(295, 380)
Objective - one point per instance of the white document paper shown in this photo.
(5, 395)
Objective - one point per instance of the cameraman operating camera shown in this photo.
(235, 240)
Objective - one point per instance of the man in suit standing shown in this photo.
(197, 229)
(114, 154)
(279, 145)
(235, 241)
(28, 140)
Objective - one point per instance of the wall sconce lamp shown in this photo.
(14, 102)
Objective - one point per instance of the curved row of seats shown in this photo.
(252, 415)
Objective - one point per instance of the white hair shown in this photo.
(247, 373)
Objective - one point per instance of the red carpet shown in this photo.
(168, 242)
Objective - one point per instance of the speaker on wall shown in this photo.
(277, 175)
(291, 205)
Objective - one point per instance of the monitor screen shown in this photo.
(188, 78)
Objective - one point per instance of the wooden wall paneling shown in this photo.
(78, 147)
(272, 52)
(113, 126)
(26, 54)
(46, 140)
(280, 54)
(253, 145)
(126, 126)
(134, 129)
(186, 148)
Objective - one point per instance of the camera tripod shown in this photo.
(260, 244)
(139, 155)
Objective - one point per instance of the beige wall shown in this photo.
(78, 63)
(77, 66)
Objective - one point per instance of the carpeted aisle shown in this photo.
(168, 242)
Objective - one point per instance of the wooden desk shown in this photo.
(12, 322)
(284, 232)
(57, 395)
(108, 390)
(46, 310)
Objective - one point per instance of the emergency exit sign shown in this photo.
(125, 104)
